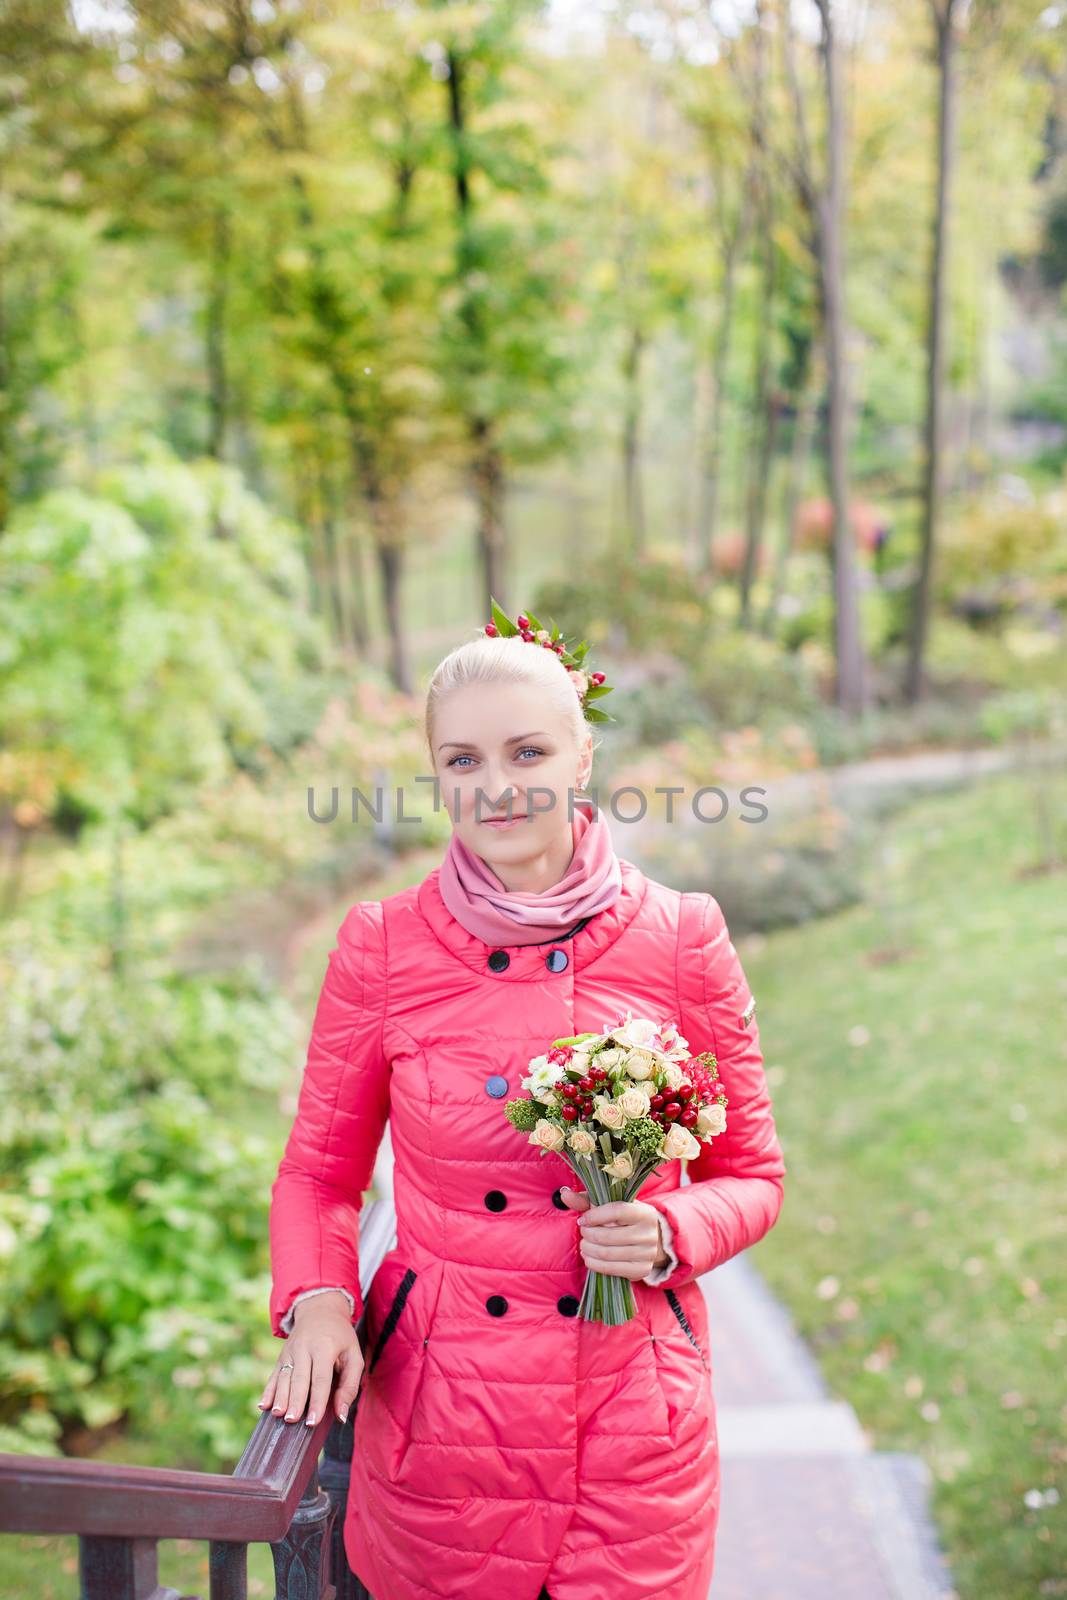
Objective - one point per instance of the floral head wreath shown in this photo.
(589, 685)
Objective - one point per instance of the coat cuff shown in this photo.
(286, 1323)
(666, 1236)
(714, 1219)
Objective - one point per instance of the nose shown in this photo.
(499, 798)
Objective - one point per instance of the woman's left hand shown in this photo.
(620, 1237)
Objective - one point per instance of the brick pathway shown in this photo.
(809, 1511)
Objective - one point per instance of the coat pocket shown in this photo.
(686, 1326)
(684, 1374)
(386, 1300)
(395, 1365)
(392, 1317)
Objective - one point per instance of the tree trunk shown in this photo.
(218, 388)
(799, 456)
(851, 688)
(938, 331)
(390, 558)
(765, 417)
(633, 494)
(488, 476)
(7, 408)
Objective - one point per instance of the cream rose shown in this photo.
(632, 1103)
(581, 1141)
(679, 1144)
(609, 1112)
(674, 1076)
(640, 1064)
(622, 1166)
(609, 1057)
(711, 1119)
(547, 1135)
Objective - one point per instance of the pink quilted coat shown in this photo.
(501, 1443)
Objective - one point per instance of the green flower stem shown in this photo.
(607, 1297)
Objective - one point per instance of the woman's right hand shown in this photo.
(323, 1341)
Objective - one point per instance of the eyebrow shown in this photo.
(538, 733)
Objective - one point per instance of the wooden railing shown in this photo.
(279, 1493)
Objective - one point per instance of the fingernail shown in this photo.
(290, 1416)
(311, 1419)
(277, 1410)
(344, 1413)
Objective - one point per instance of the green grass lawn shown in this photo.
(922, 1104)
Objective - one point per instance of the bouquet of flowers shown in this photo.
(615, 1105)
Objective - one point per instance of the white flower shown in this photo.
(609, 1112)
(679, 1144)
(711, 1119)
(621, 1166)
(636, 1032)
(543, 1078)
(672, 1044)
(640, 1064)
(632, 1103)
(548, 1135)
(610, 1057)
(674, 1076)
(581, 1141)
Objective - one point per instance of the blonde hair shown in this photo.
(484, 659)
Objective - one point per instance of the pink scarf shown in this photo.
(478, 900)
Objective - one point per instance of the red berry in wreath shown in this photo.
(523, 620)
(491, 629)
(569, 1113)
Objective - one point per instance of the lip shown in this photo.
(502, 822)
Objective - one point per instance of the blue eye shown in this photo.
(535, 748)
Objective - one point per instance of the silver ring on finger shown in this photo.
(285, 1366)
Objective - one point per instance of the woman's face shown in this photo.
(501, 752)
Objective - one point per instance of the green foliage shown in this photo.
(648, 605)
(522, 1114)
(1034, 712)
(785, 883)
(147, 629)
(741, 678)
(644, 1137)
(132, 1210)
(1002, 548)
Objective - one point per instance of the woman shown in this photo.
(506, 1449)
